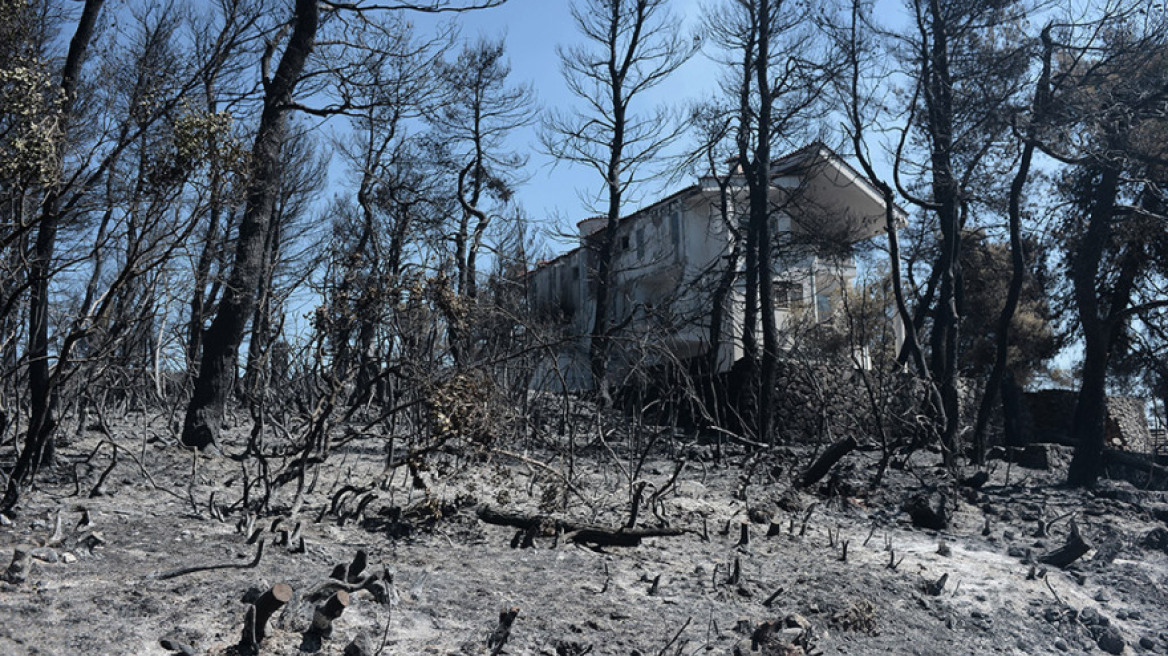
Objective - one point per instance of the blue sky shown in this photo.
(554, 196)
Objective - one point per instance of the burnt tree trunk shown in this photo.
(823, 464)
(939, 103)
(760, 216)
(1088, 434)
(222, 339)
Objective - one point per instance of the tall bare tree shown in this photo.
(779, 75)
(42, 422)
(958, 114)
(630, 47)
(482, 108)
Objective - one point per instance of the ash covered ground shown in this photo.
(844, 569)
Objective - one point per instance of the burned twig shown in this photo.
(675, 637)
(97, 491)
(207, 568)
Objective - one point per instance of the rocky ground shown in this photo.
(105, 554)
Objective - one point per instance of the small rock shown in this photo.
(789, 636)
(1147, 643)
(1061, 645)
(171, 643)
(1155, 539)
(978, 615)
(928, 511)
(1091, 617)
(359, 646)
(45, 554)
(1110, 640)
(760, 515)
(797, 621)
(1135, 615)
(977, 480)
(1008, 535)
(1052, 615)
(943, 549)
(68, 558)
(1102, 596)
(1016, 552)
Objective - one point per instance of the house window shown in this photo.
(823, 305)
(641, 243)
(675, 228)
(788, 295)
(575, 273)
(624, 243)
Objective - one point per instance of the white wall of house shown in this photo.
(668, 257)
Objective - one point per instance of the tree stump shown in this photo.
(502, 632)
(17, 571)
(322, 619)
(255, 622)
(1076, 547)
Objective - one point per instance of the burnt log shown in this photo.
(573, 531)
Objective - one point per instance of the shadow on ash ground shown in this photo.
(96, 590)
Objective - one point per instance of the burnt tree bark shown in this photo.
(759, 184)
(222, 339)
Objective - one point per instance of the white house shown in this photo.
(670, 256)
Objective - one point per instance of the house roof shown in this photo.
(784, 165)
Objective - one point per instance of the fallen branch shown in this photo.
(579, 533)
